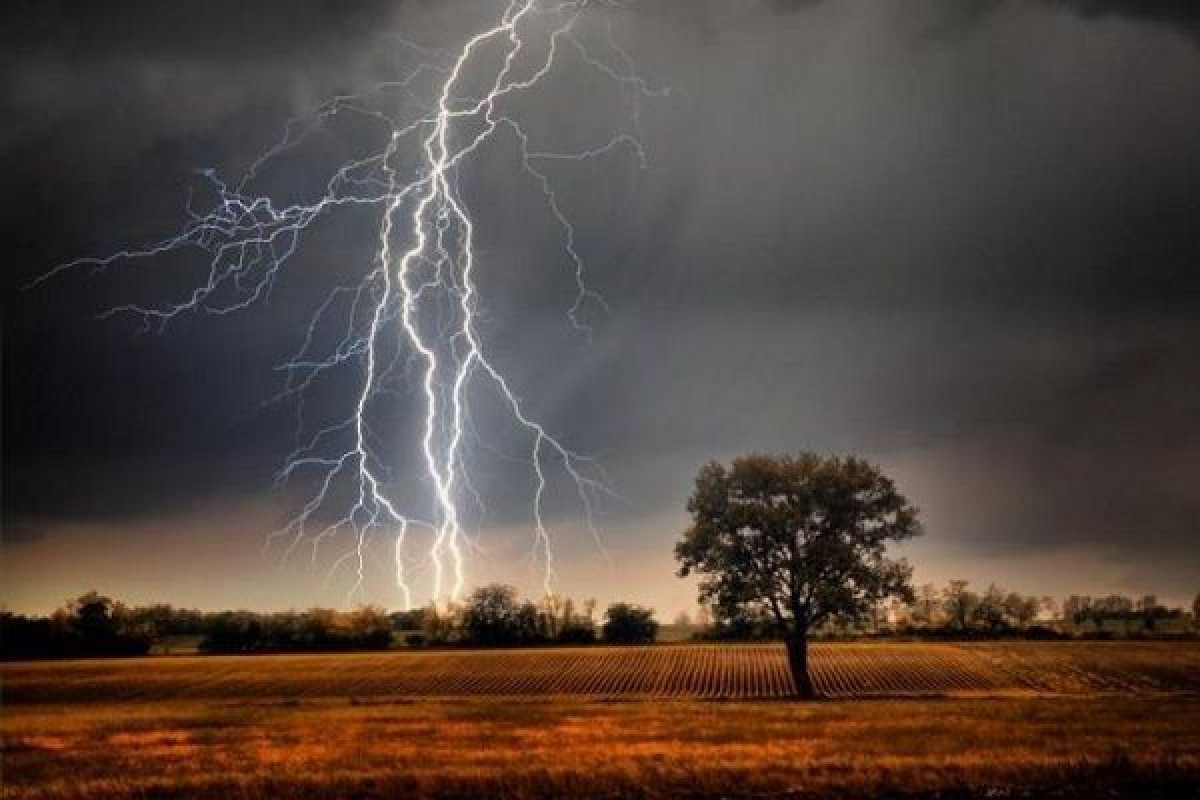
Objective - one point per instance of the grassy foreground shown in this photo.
(1112, 746)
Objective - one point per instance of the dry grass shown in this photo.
(552, 748)
(306, 727)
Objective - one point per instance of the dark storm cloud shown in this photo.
(958, 16)
(959, 237)
(108, 111)
(984, 245)
(222, 29)
(1181, 14)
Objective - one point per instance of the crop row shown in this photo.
(701, 671)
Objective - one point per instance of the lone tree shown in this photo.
(802, 537)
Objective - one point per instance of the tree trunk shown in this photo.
(797, 652)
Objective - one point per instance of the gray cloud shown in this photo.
(960, 238)
(1179, 14)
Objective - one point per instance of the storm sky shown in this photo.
(959, 238)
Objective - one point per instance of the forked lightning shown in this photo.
(417, 310)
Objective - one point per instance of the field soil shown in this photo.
(723, 671)
(905, 720)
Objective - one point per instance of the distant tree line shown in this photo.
(95, 625)
(315, 630)
(89, 625)
(957, 609)
(952, 611)
(1147, 618)
(493, 616)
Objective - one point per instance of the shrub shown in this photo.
(91, 625)
(629, 624)
(577, 634)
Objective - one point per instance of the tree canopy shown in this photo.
(625, 623)
(800, 539)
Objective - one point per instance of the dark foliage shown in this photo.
(411, 620)
(801, 541)
(94, 626)
(91, 625)
(1148, 617)
(316, 630)
(493, 615)
(629, 624)
(577, 634)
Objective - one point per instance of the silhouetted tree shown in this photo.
(93, 624)
(990, 610)
(94, 617)
(490, 615)
(569, 617)
(411, 620)
(629, 624)
(577, 633)
(26, 637)
(1021, 610)
(575, 628)
(529, 625)
(440, 625)
(589, 610)
(803, 537)
(318, 629)
(233, 632)
(960, 604)
(370, 627)
(926, 606)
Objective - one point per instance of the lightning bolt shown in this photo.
(417, 310)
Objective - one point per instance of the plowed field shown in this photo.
(1067, 721)
(683, 671)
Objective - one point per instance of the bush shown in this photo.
(315, 630)
(22, 637)
(93, 625)
(411, 620)
(1042, 632)
(492, 616)
(629, 624)
(89, 626)
(577, 634)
